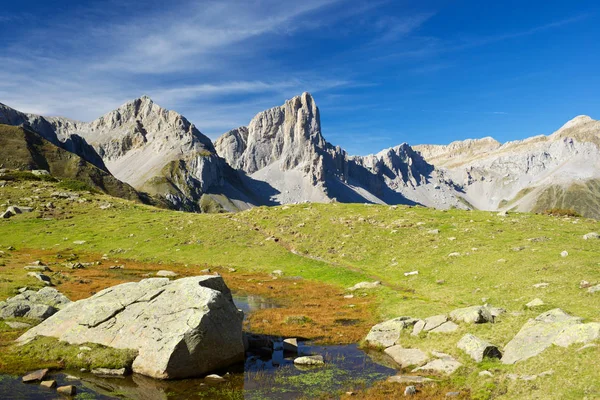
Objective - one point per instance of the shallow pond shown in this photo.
(264, 375)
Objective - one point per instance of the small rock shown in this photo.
(34, 376)
(594, 289)
(564, 253)
(434, 322)
(407, 357)
(44, 278)
(365, 285)
(349, 296)
(290, 345)
(477, 348)
(410, 390)
(418, 328)
(542, 285)
(433, 231)
(486, 373)
(48, 384)
(277, 273)
(309, 360)
(214, 378)
(535, 303)
(440, 281)
(591, 235)
(472, 315)
(445, 365)
(411, 273)
(164, 273)
(79, 242)
(116, 267)
(452, 394)
(387, 333)
(68, 390)
(455, 254)
(446, 327)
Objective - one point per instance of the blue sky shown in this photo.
(382, 72)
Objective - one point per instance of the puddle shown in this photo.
(265, 374)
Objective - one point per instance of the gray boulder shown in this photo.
(594, 289)
(446, 327)
(35, 305)
(591, 235)
(182, 328)
(472, 315)
(537, 335)
(477, 348)
(41, 277)
(446, 365)
(406, 357)
(386, 334)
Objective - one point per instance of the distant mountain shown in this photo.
(284, 148)
(21, 148)
(154, 150)
(282, 157)
(561, 170)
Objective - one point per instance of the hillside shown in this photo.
(463, 258)
(23, 149)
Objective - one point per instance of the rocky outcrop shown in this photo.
(182, 328)
(33, 304)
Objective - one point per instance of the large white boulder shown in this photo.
(182, 328)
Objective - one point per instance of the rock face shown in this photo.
(542, 172)
(552, 327)
(35, 305)
(284, 148)
(182, 328)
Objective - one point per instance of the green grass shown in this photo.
(342, 244)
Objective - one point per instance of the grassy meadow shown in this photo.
(463, 258)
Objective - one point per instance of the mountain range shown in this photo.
(282, 157)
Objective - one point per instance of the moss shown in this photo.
(50, 352)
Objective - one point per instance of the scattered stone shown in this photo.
(472, 315)
(477, 348)
(365, 285)
(35, 376)
(79, 242)
(164, 273)
(434, 322)
(41, 277)
(277, 273)
(446, 365)
(41, 268)
(181, 328)
(446, 327)
(411, 273)
(75, 265)
(214, 378)
(535, 303)
(349, 296)
(409, 379)
(433, 231)
(591, 235)
(594, 289)
(40, 172)
(418, 327)
(407, 357)
(440, 281)
(48, 384)
(452, 394)
(290, 345)
(502, 214)
(584, 284)
(486, 373)
(17, 325)
(495, 311)
(386, 334)
(542, 285)
(410, 390)
(117, 267)
(455, 254)
(537, 335)
(68, 390)
(564, 253)
(309, 360)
